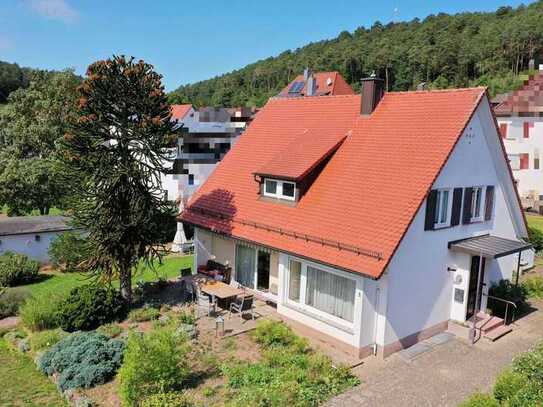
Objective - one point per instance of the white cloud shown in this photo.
(55, 9)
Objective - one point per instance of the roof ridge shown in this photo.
(450, 90)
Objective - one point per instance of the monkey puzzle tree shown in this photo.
(117, 149)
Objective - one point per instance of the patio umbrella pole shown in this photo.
(474, 322)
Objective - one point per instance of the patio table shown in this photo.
(218, 289)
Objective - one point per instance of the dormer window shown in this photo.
(279, 189)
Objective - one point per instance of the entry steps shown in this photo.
(491, 327)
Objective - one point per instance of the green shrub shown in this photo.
(508, 291)
(40, 341)
(145, 313)
(288, 374)
(533, 286)
(87, 307)
(39, 313)
(170, 399)
(535, 237)
(16, 269)
(11, 301)
(480, 400)
(82, 360)
(68, 251)
(508, 384)
(111, 330)
(271, 333)
(530, 364)
(187, 317)
(531, 395)
(153, 363)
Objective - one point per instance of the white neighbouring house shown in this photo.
(520, 119)
(364, 217)
(31, 235)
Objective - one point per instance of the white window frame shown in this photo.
(301, 305)
(279, 190)
(481, 203)
(447, 221)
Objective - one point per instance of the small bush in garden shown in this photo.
(272, 333)
(45, 339)
(39, 313)
(534, 287)
(508, 291)
(16, 269)
(530, 364)
(480, 400)
(170, 399)
(11, 300)
(155, 362)
(68, 251)
(508, 384)
(111, 330)
(145, 313)
(87, 307)
(535, 237)
(529, 395)
(14, 336)
(82, 360)
(187, 317)
(288, 374)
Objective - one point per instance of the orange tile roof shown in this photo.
(179, 111)
(302, 155)
(336, 86)
(528, 99)
(358, 209)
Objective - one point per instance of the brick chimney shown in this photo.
(372, 91)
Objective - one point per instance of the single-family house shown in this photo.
(317, 84)
(31, 235)
(373, 219)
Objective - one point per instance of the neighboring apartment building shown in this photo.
(520, 120)
(374, 220)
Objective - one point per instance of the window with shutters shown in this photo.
(526, 130)
(442, 217)
(524, 161)
(477, 204)
(536, 158)
(503, 130)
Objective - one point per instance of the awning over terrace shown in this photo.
(489, 246)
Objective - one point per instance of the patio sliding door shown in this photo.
(245, 265)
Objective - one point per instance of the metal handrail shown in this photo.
(507, 303)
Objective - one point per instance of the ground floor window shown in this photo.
(245, 265)
(319, 290)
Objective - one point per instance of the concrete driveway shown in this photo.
(444, 376)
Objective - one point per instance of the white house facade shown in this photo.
(431, 275)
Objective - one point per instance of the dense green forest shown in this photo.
(12, 77)
(442, 50)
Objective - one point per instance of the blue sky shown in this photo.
(186, 40)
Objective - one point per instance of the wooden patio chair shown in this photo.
(243, 305)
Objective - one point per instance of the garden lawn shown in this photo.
(59, 283)
(22, 383)
(535, 221)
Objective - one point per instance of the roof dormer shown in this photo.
(289, 174)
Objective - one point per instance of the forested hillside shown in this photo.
(443, 50)
(12, 77)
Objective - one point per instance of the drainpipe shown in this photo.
(475, 312)
(518, 269)
(377, 300)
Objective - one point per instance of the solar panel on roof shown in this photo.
(296, 87)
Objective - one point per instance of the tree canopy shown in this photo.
(12, 77)
(31, 123)
(116, 146)
(443, 50)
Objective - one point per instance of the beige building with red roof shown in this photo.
(520, 118)
(376, 220)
